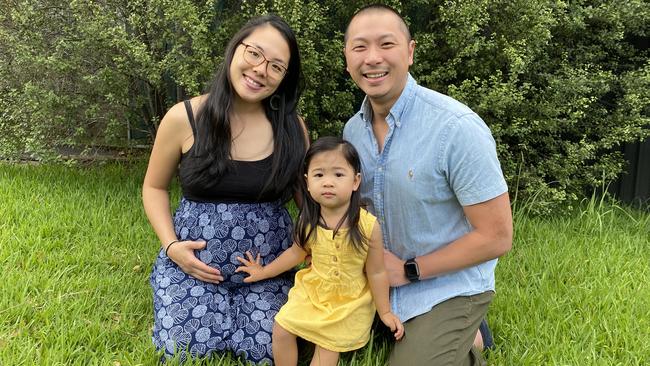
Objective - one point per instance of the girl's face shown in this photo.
(266, 47)
(331, 180)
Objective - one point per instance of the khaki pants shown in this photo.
(444, 336)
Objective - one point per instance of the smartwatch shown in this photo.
(411, 270)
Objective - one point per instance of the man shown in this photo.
(432, 178)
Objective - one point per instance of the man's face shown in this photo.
(378, 55)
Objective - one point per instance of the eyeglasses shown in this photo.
(255, 57)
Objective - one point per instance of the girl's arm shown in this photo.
(378, 280)
(256, 272)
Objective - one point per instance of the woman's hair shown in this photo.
(212, 143)
(310, 216)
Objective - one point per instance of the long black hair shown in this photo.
(212, 142)
(309, 216)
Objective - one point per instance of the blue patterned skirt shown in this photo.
(202, 318)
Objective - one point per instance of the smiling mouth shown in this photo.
(375, 75)
(252, 82)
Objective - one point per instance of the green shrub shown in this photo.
(561, 84)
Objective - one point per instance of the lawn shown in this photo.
(76, 251)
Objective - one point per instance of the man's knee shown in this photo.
(444, 335)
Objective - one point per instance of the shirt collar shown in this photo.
(397, 109)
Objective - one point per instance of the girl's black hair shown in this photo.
(212, 142)
(309, 216)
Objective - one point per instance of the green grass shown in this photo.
(76, 251)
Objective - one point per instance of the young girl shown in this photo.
(331, 303)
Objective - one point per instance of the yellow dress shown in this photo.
(330, 303)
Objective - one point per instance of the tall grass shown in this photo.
(76, 251)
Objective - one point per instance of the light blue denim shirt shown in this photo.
(438, 156)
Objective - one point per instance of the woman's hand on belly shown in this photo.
(182, 253)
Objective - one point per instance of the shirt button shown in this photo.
(338, 246)
(335, 259)
(336, 273)
(379, 168)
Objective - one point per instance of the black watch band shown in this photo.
(411, 270)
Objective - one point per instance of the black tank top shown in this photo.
(242, 182)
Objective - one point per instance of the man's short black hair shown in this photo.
(378, 7)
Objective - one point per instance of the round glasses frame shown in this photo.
(255, 57)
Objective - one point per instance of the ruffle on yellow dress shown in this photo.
(330, 303)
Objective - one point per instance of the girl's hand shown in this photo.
(251, 266)
(393, 322)
(182, 253)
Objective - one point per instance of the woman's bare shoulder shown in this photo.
(177, 117)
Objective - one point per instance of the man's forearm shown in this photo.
(467, 251)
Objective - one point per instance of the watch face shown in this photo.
(412, 271)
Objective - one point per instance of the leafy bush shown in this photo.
(561, 84)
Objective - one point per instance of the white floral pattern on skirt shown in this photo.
(192, 317)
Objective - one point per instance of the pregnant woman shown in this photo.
(237, 150)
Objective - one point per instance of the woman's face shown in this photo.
(266, 46)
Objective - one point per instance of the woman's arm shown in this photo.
(378, 280)
(256, 272)
(173, 132)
